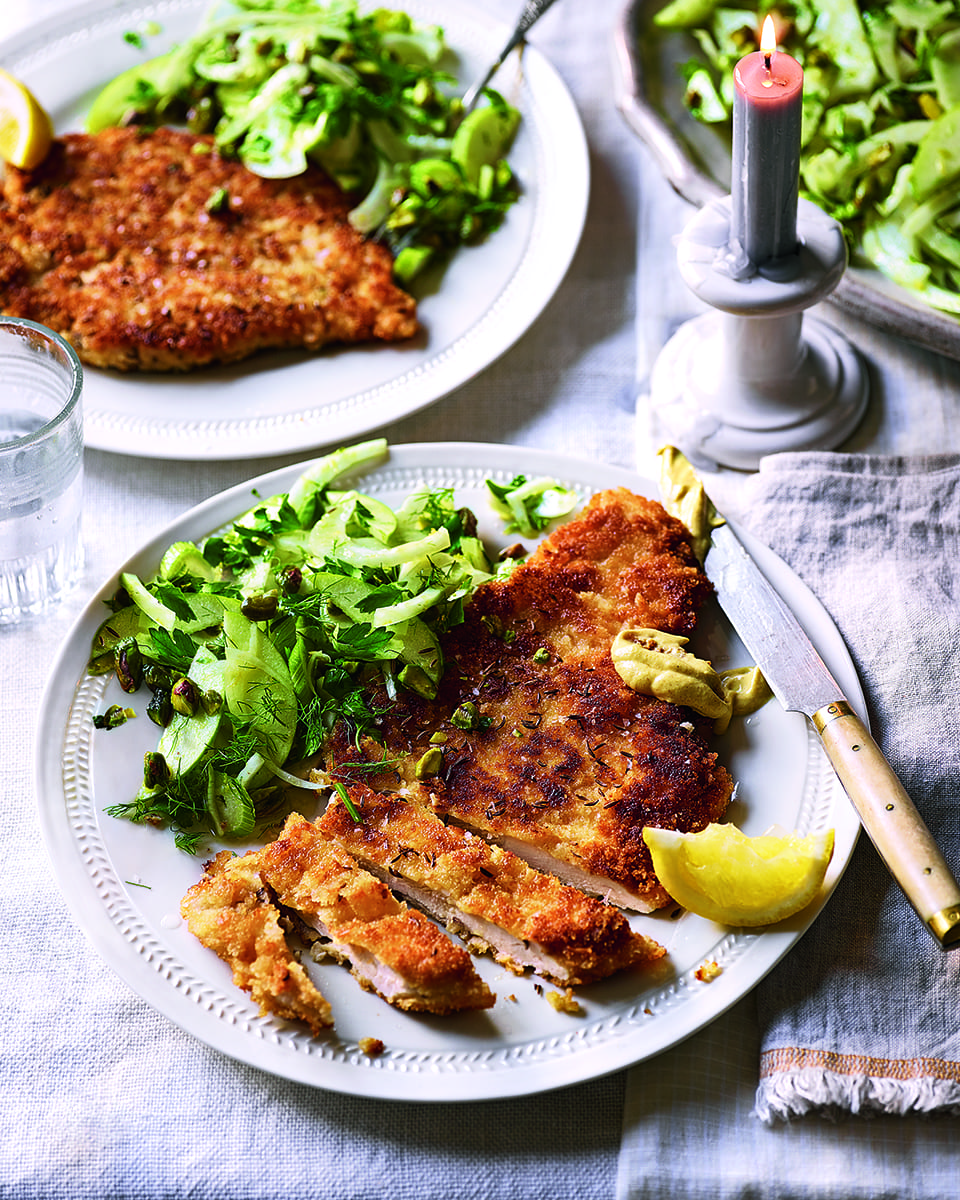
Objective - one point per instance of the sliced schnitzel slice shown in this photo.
(148, 251)
(391, 949)
(491, 897)
(230, 911)
(243, 906)
(542, 747)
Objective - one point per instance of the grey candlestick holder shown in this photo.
(754, 376)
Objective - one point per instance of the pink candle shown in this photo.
(768, 94)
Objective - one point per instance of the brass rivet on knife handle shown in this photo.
(830, 712)
(945, 927)
(892, 821)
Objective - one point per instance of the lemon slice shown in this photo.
(26, 130)
(723, 875)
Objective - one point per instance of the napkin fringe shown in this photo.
(789, 1094)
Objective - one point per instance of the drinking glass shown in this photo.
(41, 468)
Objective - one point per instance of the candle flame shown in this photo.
(768, 37)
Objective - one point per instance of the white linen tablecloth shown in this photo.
(105, 1099)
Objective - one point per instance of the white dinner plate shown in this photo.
(124, 882)
(280, 402)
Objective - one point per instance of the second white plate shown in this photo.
(277, 403)
(124, 882)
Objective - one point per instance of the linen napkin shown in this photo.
(864, 1015)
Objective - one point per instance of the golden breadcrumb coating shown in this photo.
(149, 251)
(482, 890)
(231, 913)
(321, 882)
(242, 905)
(569, 764)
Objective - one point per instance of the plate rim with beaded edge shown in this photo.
(123, 882)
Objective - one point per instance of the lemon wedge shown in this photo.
(26, 130)
(723, 875)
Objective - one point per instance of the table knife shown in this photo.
(802, 683)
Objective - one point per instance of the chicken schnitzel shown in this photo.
(244, 905)
(148, 251)
(492, 898)
(230, 912)
(542, 747)
(510, 806)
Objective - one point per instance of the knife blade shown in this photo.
(802, 683)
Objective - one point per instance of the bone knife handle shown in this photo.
(892, 821)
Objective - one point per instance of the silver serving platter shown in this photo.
(695, 159)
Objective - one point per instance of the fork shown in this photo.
(533, 10)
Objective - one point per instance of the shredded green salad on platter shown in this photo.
(881, 119)
(245, 648)
(366, 95)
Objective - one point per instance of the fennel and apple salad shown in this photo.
(281, 84)
(881, 119)
(245, 648)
